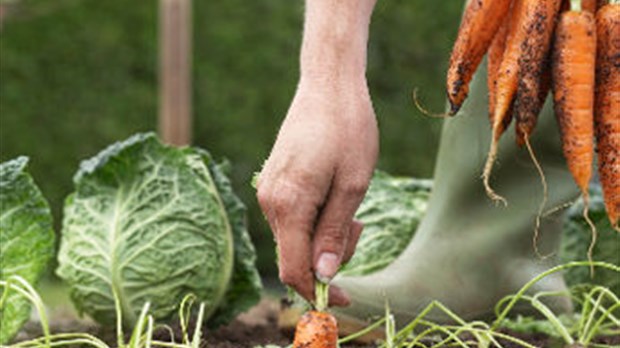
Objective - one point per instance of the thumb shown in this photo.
(333, 229)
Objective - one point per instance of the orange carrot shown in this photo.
(607, 107)
(481, 20)
(573, 91)
(525, 16)
(533, 85)
(593, 5)
(316, 329)
(565, 6)
(589, 5)
(494, 59)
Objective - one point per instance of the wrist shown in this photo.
(334, 41)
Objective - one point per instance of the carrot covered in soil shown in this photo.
(607, 107)
(481, 21)
(573, 65)
(534, 73)
(494, 60)
(526, 16)
(573, 91)
(317, 328)
(593, 5)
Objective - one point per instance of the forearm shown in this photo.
(335, 39)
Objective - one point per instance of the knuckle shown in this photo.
(282, 201)
(331, 236)
(355, 187)
(289, 278)
(263, 198)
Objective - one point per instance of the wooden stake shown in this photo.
(175, 71)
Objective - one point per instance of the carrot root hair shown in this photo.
(423, 110)
(559, 207)
(594, 233)
(543, 203)
(488, 167)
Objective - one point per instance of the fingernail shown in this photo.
(327, 266)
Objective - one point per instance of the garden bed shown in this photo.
(259, 326)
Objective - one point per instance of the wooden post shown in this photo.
(175, 95)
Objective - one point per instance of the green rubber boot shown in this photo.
(468, 252)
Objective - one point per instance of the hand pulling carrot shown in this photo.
(481, 20)
(607, 107)
(317, 328)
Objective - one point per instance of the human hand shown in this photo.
(315, 179)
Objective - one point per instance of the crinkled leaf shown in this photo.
(145, 223)
(391, 211)
(245, 287)
(26, 240)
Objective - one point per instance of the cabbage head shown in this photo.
(26, 241)
(394, 206)
(153, 223)
(391, 211)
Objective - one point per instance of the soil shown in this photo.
(257, 327)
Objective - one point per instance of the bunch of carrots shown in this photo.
(533, 46)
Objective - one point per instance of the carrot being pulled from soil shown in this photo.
(317, 328)
(607, 108)
(526, 16)
(481, 20)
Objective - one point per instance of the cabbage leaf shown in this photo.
(26, 240)
(394, 206)
(245, 286)
(148, 222)
(391, 211)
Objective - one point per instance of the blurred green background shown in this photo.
(77, 75)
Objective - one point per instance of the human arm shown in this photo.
(326, 149)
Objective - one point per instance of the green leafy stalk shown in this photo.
(28, 292)
(321, 292)
(362, 332)
(502, 315)
(198, 328)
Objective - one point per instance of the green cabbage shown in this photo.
(26, 240)
(390, 212)
(394, 206)
(153, 223)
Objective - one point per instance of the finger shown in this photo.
(355, 231)
(337, 297)
(292, 214)
(266, 201)
(332, 231)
